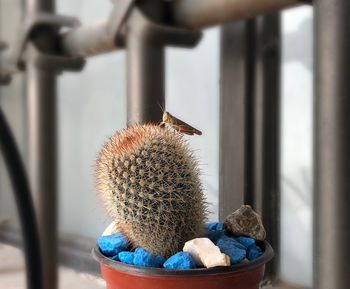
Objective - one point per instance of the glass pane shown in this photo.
(193, 96)
(12, 102)
(297, 91)
(91, 106)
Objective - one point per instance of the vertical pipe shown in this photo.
(41, 96)
(249, 123)
(234, 50)
(266, 110)
(146, 91)
(146, 73)
(251, 111)
(331, 145)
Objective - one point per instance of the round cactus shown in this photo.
(148, 179)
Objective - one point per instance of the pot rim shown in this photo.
(241, 267)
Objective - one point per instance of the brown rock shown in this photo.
(245, 221)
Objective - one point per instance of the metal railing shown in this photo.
(145, 28)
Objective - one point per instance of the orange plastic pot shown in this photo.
(240, 276)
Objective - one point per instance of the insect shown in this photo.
(178, 124)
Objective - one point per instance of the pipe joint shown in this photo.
(40, 41)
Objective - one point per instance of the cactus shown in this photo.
(148, 179)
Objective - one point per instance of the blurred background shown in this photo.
(92, 106)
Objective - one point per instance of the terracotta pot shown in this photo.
(240, 276)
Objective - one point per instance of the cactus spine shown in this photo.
(148, 179)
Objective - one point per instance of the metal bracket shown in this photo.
(103, 37)
(140, 26)
(146, 42)
(44, 29)
(119, 15)
(27, 46)
(127, 18)
(55, 60)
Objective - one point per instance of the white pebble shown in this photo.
(111, 229)
(204, 252)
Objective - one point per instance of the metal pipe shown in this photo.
(249, 128)
(199, 14)
(41, 86)
(89, 40)
(266, 107)
(262, 144)
(331, 145)
(84, 41)
(146, 73)
(232, 164)
(253, 119)
(146, 92)
(41, 97)
(102, 37)
(191, 14)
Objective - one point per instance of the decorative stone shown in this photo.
(246, 222)
(181, 260)
(126, 257)
(214, 231)
(232, 241)
(215, 226)
(235, 250)
(111, 229)
(111, 245)
(205, 253)
(214, 236)
(146, 259)
(253, 252)
(245, 241)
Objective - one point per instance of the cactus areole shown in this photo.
(148, 179)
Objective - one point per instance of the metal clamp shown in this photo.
(30, 45)
(103, 37)
(127, 17)
(139, 25)
(146, 41)
(48, 47)
(110, 35)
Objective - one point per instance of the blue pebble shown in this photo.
(146, 259)
(214, 236)
(126, 257)
(245, 241)
(214, 231)
(160, 261)
(232, 241)
(113, 244)
(229, 247)
(181, 260)
(253, 252)
(215, 226)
